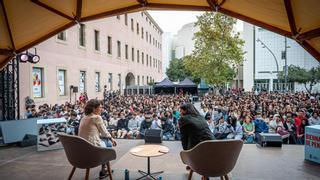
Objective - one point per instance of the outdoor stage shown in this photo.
(254, 163)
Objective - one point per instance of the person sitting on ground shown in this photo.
(122, 126)
(248, 129)
(260, 126)
(156, 123)
(92, 128)
(167, 128)
(193, 127)
(221, 129)
(314, 119)
(210, 122)
(145, 124)
(235, 128)
(133, 126)
(291, 128)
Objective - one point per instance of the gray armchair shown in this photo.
(82, 154)
(213, 158)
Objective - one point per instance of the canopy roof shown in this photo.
(25, 23)
(187, 83)
(165, 83)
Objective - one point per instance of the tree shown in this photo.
(178, 72)
(217, 50)
(303, 76)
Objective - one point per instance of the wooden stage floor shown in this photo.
(254, 163)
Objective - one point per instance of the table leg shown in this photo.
(148, 174)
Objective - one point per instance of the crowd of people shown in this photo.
(234, 115)
(240, 115)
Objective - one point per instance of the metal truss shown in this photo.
(9, 91)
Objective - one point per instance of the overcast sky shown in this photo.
(172, 21)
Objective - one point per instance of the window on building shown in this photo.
(138, 81)
(82, 35)
(142, 81)
(97, 81)
(147, 79)
(147, 36)
(147, 60)
(82, 84)
(142, 58)
(109, 45)
(119, 49)
(37, 88)
(150, 61)
(137, 28)
(62, 82)
(132, 28)
(118, 17)
(62, 36)
(97, 40)
(138, 56)
(150, 38)
(126, 51)
(132, 54)
(110, 81)
(126, 19)
(119, 81)
(142, 32)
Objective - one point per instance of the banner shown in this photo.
(37, 82)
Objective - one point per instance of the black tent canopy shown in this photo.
(165, 86)
(187, 86)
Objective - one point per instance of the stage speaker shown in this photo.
(270, 140)
(153, 136)
(29, 140)
(75, 89)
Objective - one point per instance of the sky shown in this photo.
(172, 21)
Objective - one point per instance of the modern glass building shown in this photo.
(270, 49)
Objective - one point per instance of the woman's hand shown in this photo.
(114, 143)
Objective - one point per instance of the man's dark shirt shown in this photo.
(122, 124)
(194, 129)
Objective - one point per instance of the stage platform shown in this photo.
(254, 163)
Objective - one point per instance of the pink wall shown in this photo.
(56, 54)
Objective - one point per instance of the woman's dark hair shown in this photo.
(91, 105)
(232, 121)
(190, 109)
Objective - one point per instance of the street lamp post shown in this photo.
(275, 59)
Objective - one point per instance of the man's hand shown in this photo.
(114, 143)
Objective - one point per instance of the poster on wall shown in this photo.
(37, 82)
(82, 81)
(97, 82)
(61, 81)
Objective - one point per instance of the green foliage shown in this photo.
(217, 50)
(303, 76)
(178, 72)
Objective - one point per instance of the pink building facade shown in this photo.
(117, 52)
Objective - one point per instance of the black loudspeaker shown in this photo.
(153, 136)
(75, 89)
(270, 140)
(29, 140)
